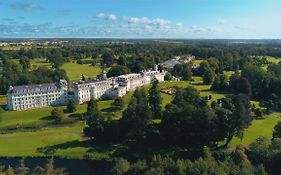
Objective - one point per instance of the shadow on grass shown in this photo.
(206, 90)
(3, 107)
(93, 148)
(111, 109)
(49, 150)
(48, 118)
(196, 83)
(259, 118)
(76, 116)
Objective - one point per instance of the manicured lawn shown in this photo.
(166, 99)
(28, 143)
(228, 73)
(259, 128)
(64, 141)
(74, 70)
(3, 99)
(273, 60)
(197, 61)
(36, 116)
(39, 62)
(33, 116)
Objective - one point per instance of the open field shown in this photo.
(28, 143)
(67, 140)
(273, 60)
(41, 141)
(14, 47)
(17, 118)
(259, 128)
(36, 116)
(74, 70)
(39, 62)
(197, 61)
(3, 99)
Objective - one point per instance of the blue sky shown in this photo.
(141, 18)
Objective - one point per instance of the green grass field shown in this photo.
(39, 62)
(64, 141)
(259, 128)
(33, 116)
(67, 140)
(36, 116)
(3, 99)
(74, 70)
(28, 143)
(273, 60)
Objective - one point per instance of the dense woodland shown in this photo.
(202, 132)
(187, 123)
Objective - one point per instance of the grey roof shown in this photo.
(170, 63)
(33, 88)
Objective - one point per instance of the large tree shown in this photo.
(95, 120)
(208, 76)
(118, 70)
(187, 121)
(71, 105)
(236, 116)
(277, 131)
(107, 59)
(155, 99)
(136, 117)
(57, 113)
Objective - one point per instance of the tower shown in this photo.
(104, 75)
(156, 67)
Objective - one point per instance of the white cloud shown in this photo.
(160, 22)
(111, 17)
(145, 20)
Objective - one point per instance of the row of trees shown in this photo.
(21, 169)
(255, 82)
(138, 55)
(139, 114)
(187, 122)
(234, 163)
(13, 74)
(260, 158)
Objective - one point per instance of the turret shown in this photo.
(104, 75)
(156, 67)
(63, 83)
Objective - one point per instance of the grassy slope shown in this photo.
(66, 140)
(27, 143)
(259, 128)
(12, 118)
(74, 70)
(21, 143)
(39, 62)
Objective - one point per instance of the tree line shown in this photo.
(186, 122)
(14, 74)
(22, 169)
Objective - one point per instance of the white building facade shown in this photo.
(114, 87)
(54, 94)
(37, 96)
